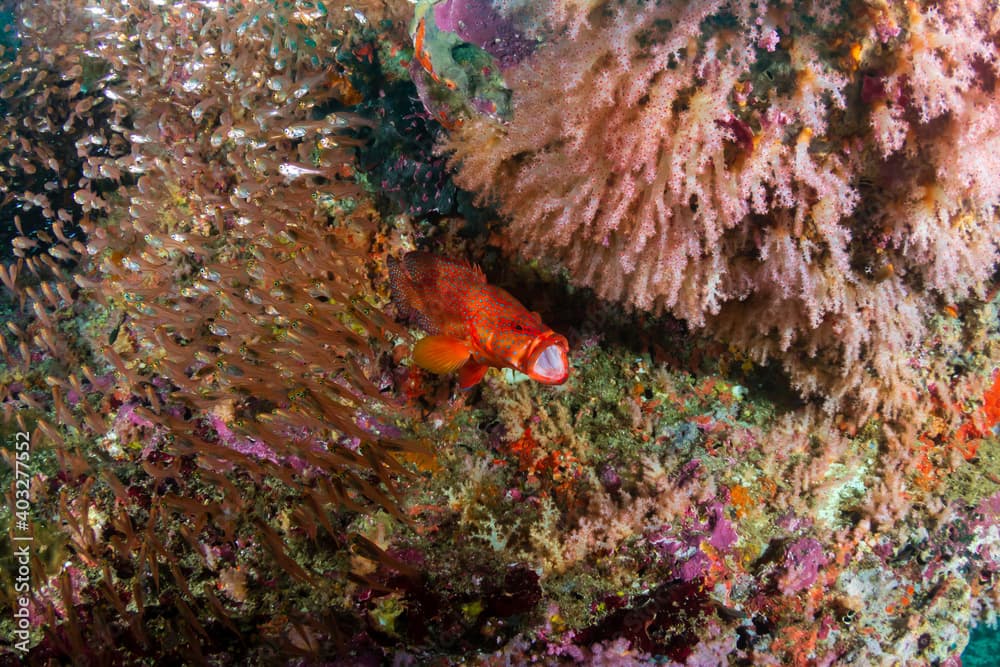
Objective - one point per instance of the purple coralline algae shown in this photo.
(478, 22)
(804, 558)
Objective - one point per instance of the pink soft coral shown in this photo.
(747, 168)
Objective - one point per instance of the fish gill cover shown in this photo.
(768, 231)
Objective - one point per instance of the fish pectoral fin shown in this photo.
(440, 354)
(471, 373)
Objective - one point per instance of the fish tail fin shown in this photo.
(397, 279)
(405, 295)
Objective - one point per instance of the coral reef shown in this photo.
(218, 451)
(809, 184)
(672, 504)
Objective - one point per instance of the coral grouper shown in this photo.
(473, 325)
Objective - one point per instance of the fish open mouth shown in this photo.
(549, 362)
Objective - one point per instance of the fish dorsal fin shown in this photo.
(440, 354)
(471, 373)
(477, 273)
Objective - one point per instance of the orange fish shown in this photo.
(473, 325)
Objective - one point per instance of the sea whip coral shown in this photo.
(719, 161)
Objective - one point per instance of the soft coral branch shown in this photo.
(746, 167)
